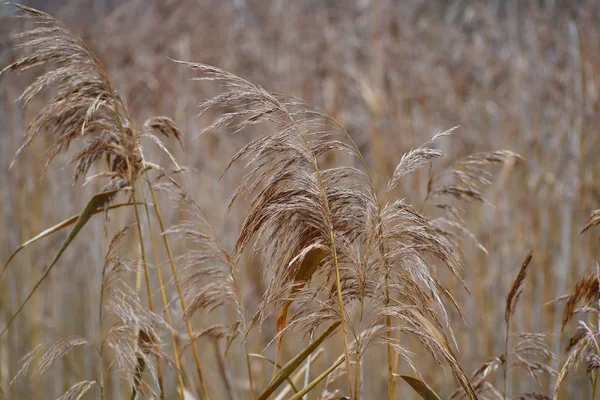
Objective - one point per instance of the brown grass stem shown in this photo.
(165, 301)
(146, 274)
(179, 292)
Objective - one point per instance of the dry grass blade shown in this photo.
(421, 388)
(97, 201)
(412, 240)
(48, 357)
(511, 302)
(295, 362)
(583, 348)
(26, 362)
(586, 289)
(440, 341)
(417, 158)
(515, 290)
(53, 229)
(575, 354)
(479, 377)
(593, 221)
(164, 126)
(463, 181)
(532, 353)
(78, 390)
(430, 333)
(58, 350)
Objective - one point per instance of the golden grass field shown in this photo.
(254, 199)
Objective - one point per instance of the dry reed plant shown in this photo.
(321, 264)
(583, 344)
(87, 106)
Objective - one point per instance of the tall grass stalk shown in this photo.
(146, 273)
(188, 324)
(165, 301)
